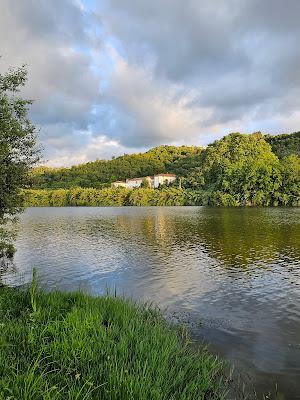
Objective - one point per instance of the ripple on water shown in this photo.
(237, 271)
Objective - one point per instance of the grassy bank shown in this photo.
(70, 346)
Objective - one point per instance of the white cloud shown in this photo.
(130, 75)
(151, 111)
(99, 147)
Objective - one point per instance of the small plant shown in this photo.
(33, 291)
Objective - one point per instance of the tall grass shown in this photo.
(70, 346)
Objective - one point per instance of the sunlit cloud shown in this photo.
(120, 76)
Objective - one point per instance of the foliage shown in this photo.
(241, 170)
(145, 183)
(284, 145)
(18, 150)
(105, 197)
(112, 197)
(101, 173)
(237, 170)
(234, 171)
(290, 185)
(63, 346)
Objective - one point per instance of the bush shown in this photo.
(171, 196)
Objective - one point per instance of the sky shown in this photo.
(110, 77)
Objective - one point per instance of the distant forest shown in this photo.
(239, 169)
(180, 160)
(101, 173)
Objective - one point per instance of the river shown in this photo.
(232, 274)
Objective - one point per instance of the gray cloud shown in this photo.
(121, 75)
(146, 111)
(186, 39)
(239, 55)
(51, 39)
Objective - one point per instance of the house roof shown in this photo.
(134, 179)
(151, 177)
(166, 174)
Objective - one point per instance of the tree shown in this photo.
(145, 183)
(239, 170)
(99, 174)
(18, 149)
(290, 191)
(284, 145)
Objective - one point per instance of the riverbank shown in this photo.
(169, 196)
(72, 346)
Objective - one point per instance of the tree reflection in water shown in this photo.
(238, 270)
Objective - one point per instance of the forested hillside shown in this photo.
(101, 173)
(238, 169)
(284, 145)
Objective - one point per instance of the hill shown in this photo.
(186, 161)
(101, 173)
(284, 145)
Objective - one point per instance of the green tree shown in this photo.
(239, 170)
(99, 174)
(290, 190)
(284, 145)
(145, 183)
(18, 150)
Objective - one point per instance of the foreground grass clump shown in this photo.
(70, 346)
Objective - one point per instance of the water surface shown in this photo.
(233, 274)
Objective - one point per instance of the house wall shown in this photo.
(134, 183)
(154, 182)
(162, 179)
(119, 184)
(151, 181)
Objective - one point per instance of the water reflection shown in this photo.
(235, 269)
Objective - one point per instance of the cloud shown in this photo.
(51, 38)
(147, 111)
(240, 55)
(60, 77)
(70, 150)
(185, 40)
(118, 75)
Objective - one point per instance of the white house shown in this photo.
(161, 179)
(154, 181)
(118, 184)
(134, 182)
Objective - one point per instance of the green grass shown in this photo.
(71, 346)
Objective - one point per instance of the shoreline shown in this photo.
(72, 344)
(119, 197)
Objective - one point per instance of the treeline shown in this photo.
(110, 197)
(100, 173)
(284, 145)
(182, 161)
(244, 170)
(238, 170)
